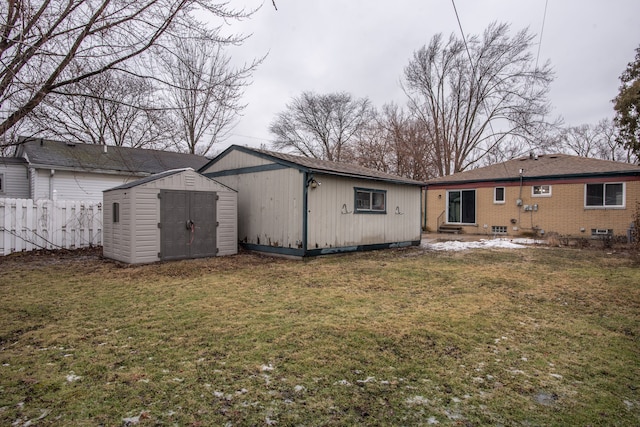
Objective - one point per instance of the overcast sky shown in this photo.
(362, 47)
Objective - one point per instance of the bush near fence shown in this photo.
(27, 225)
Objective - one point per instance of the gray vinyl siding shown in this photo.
(117, 236)
(142, 207)
(227, 217)
(333, 222)
(15, 181)
(146, 234)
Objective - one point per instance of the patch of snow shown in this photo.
(268, 367)
(454, 245)
(342, 382)
(417, 400)
(299, 388)
(73, 377)
(130, 421)
(369, 379)
(557, 376)
(268, 421)
(432, 421)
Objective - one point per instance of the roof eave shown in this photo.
(538, 177)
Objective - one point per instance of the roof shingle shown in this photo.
(91, 157)
(325, 166)
(540, 166)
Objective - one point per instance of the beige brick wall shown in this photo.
(563, 212)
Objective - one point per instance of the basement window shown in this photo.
(370, 201)
(116, 212)
(499, 229)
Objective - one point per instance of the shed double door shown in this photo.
(187, 224)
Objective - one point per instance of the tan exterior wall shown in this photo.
(269, 204)
(333, 222)
(562, 212)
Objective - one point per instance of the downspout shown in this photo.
(424, 219)
(305, 192)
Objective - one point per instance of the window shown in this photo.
(541, 191)
(1, 183)
(116, 212)
(600, 232)
(498, 195)
(499, 229)
(370, 201)
(604, 195)
(461, 206)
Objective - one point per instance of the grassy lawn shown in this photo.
(530, 337)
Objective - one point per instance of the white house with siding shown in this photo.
(14, 178)
(299, 206)
(68, 171)
(175, 214)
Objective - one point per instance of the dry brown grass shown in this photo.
(534, 336)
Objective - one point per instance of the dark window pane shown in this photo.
(363, 200)
(454, 206)
(378, 201)
(613, 195)
(595, 194)
(469, 207)
(499, 194)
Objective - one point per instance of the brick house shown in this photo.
(537, 194)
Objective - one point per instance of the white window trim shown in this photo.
(624, 197)
(504, 196)
(541, 195)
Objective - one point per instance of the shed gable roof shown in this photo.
(88, 157)
(541, 166)
(310, 164)
(162, 175)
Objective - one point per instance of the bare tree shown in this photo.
(205, 91)
(321, 126)
(48, 45)
(596, 141)
(397, 143)
(473, 95)
(109, 108)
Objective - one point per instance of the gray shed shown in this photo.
(175, 214)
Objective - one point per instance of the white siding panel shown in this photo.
(117, 236)
(269, 206)
(332, 221)
(15, 181)
(70, 185)
(235, 160)
(227, 217)
(40, 181)
(146, 240)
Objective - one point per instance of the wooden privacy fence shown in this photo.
(26, 225)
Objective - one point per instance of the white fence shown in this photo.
(26, 225)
